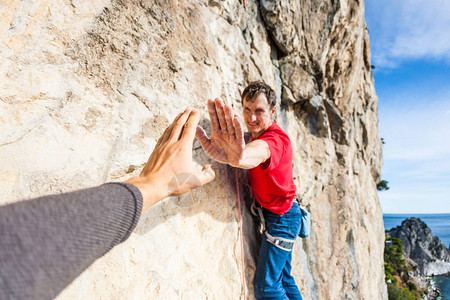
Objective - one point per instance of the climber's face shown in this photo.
(257, 114)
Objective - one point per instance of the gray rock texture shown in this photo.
(87, 87)
(427, 251)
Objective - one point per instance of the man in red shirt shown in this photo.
(268, 156)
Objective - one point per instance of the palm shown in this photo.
(226, 144)
(224, 148)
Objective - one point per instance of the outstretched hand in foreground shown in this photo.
(169, 170)
(226, 144)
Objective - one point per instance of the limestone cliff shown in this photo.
(88, 86)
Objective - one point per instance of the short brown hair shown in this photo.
(257, 87)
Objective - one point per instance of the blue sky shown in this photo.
(410, 45)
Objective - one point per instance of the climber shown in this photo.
(268, 157)
(48, 241)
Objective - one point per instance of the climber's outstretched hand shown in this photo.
(226, 144)
(169, 170)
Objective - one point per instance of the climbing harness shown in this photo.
(279, 242)
(283, 243)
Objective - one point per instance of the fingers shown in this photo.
(229, 115)
(238, 131)
(179, 124)
(168, 132)
(221, 114)
(165, 136)
(190, 127)
(213, 116)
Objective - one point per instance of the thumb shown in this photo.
(206, 175)
(201, 136)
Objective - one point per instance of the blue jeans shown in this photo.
(273, 279)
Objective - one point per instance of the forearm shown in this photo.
(254, 154)
(48, 241)
(151, 193)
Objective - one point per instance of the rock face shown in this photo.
(88, 86)
(421, 246)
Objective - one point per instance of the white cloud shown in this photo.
(408, 29)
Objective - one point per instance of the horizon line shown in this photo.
(421, 213)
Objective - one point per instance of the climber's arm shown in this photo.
(255, 153)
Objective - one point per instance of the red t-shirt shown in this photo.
(272, 182)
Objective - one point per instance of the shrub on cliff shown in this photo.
(393, 258)
(398, 293)
(396, 271)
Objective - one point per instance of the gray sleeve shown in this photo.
(45, 243)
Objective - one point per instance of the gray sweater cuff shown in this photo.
(134, 209)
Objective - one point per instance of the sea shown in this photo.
(440, 226)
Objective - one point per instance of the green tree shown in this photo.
(383, 185)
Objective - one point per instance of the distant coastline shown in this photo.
(438, 223)
(440, 227)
